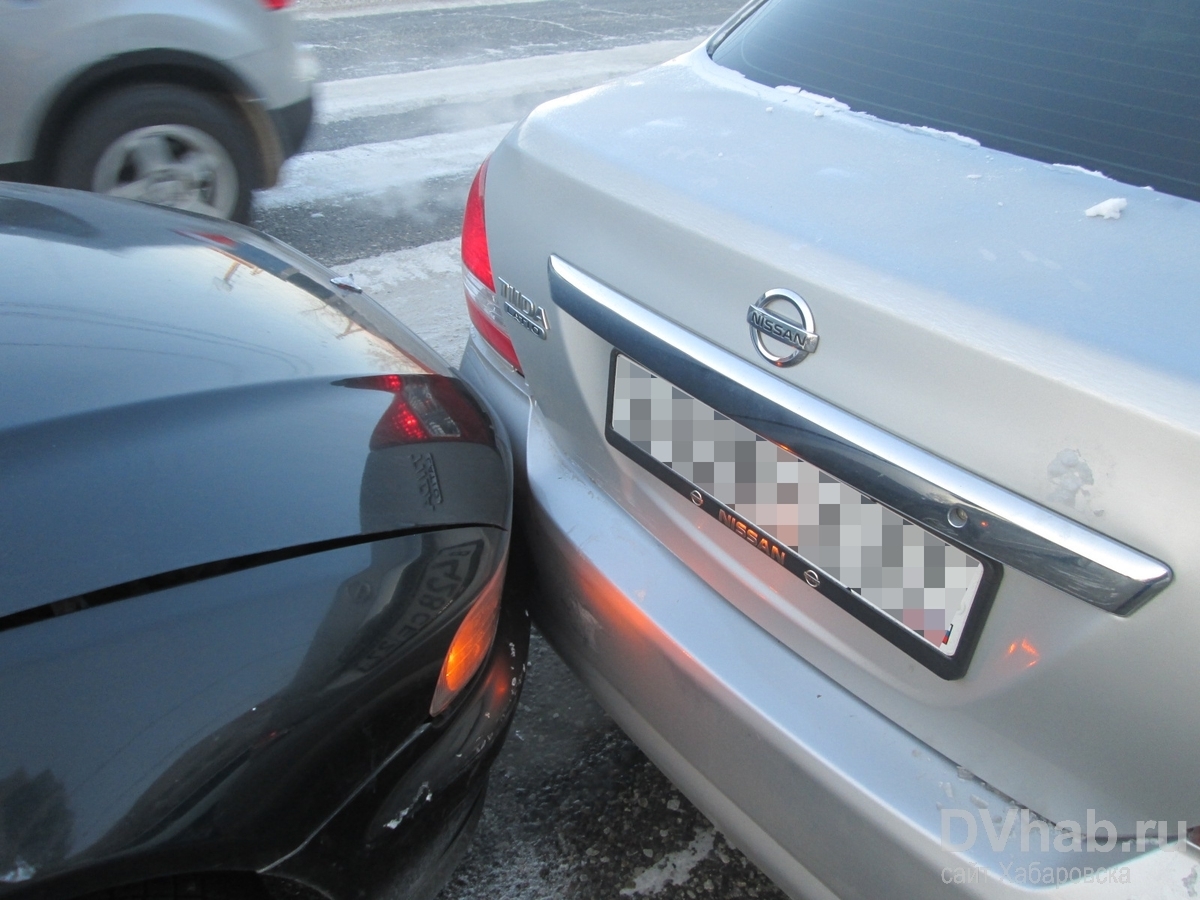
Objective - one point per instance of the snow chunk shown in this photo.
(347, 282)
(788, 88)
(674, 868)
(1109, 209)
(824, 101)
(1079, 169)
(937, 132)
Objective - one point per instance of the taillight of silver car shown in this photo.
(276, 4)
(485, 309)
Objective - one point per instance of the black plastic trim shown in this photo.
(16, 171)
(292, 124)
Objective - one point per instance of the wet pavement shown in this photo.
(575, 810)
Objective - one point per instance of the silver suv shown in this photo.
(186, 103)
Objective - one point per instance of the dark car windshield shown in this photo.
(1110, 86)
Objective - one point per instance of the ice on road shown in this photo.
(674, 868)
(395, 169)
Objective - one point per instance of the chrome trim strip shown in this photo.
(961, 507)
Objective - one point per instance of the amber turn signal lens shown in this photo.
(471, 644)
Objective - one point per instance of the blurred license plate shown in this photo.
(891, 573)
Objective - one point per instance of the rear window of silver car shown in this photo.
(1110, 86)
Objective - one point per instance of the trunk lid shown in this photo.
(966, 305)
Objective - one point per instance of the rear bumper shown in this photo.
(827, 796)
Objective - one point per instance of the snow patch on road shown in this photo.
(352, 9)
(674, 868)
(423, 288)
(375, 95)
(389, 271)
(332, 176)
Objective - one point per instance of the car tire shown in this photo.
(165, 144)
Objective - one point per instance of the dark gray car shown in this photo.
(254, 542)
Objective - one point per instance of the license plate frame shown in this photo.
(948, 663)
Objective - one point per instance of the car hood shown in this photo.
(180, 391)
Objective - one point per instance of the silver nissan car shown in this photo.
(852, 365)
(185, 103)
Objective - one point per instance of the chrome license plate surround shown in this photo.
(966, 629)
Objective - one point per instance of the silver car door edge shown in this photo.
(961, 507)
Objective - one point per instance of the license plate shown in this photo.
(894, 575)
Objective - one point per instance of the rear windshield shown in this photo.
(1110, 86)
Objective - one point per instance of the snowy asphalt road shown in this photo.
(493, 63)
(406, 41)
(417, 92)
